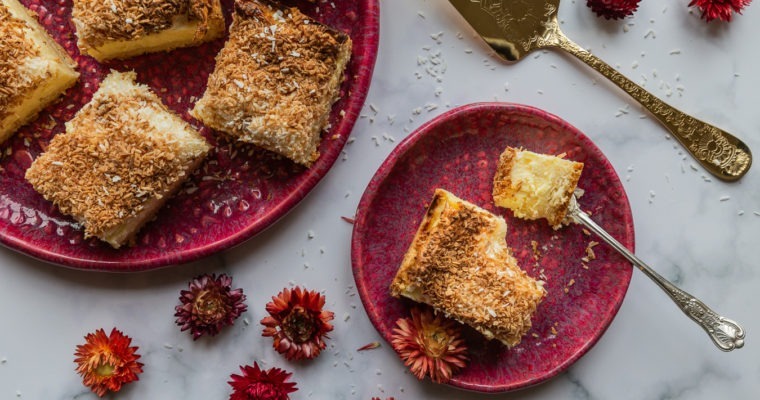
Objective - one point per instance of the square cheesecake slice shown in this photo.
(535, 186)
(109, 29)
(34, 69)
(275, 80)
(459, 263)
(121, 157)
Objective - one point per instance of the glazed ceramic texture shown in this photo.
(238, 192)
(459, 151)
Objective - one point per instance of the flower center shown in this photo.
(209, 307)
(436, 341)
(261, 390)
(104, 369)
(299, 325)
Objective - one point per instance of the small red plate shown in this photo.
(237, 193)
(459, 151)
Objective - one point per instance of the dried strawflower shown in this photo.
(613, 9)
(257, 384)
(719, 9)
(107, 362)
(430, 345)
(298, 323)
(209, 305)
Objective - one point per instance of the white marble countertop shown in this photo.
(700, 233)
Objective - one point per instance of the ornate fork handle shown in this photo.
(725, 333)
(719, 152)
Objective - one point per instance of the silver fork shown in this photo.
(725, 333)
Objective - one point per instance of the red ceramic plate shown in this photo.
(237, 193)
(458, 151)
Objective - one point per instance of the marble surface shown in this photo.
(697, 231)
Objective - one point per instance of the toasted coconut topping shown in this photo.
(17, 76)
(101, 21)
(275, 80)
(461, 265)
(201, 10)
(112, 160)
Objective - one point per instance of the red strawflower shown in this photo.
(107, 362)
(613, 9)
(430, 345)
(298, 323)
(209, 305)
(719, 9)
(257, 384)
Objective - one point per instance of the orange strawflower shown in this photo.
(430, 345)
(298, 323)
(107, 362)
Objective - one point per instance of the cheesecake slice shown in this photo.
(535, 186)
(122, 156)
(34, 69)
(109, 29)
(275, 80)
(459, 263)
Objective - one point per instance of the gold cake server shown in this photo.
(514, 28)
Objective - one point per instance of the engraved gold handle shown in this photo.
(719, 152)
(515, 28)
